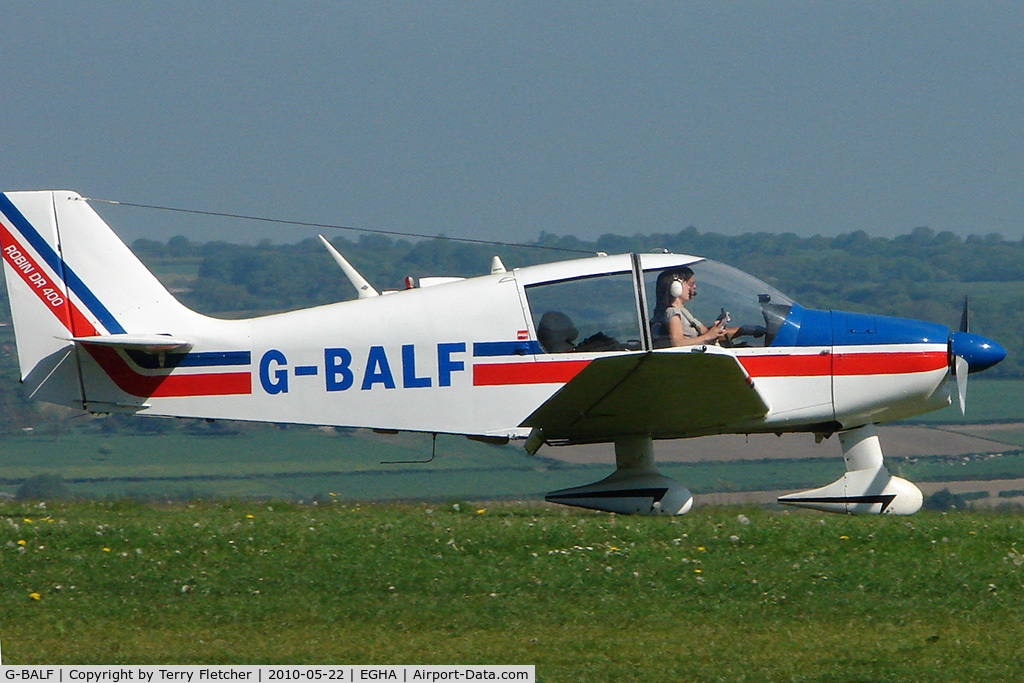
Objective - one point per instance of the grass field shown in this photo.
(719, 595)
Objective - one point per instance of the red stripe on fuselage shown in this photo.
(795, 365)
(145, 386)
(540, 372)
(845, 364)
(896, 363)
(787, 366)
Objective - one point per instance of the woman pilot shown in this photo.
(672, 324)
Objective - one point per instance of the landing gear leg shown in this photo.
(636, 486)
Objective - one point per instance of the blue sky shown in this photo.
(502, 120)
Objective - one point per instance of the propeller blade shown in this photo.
(965, 318)
(961, 370)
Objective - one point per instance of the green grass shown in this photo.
(584, 596)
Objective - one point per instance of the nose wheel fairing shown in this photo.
(867, 487)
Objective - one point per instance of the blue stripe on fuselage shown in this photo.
(202, 359)
(506, 348)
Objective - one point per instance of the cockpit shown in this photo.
(612, 303)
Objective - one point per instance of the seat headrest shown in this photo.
(556, 332)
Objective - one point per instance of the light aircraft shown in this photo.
(560, 353)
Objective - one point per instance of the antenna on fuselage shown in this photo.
(358, 281)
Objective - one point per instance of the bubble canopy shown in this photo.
(720, 290)
(614, 303)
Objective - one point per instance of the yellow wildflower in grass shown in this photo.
(481, 511)
(250, 516)
(700, 548)
(27, 520)
(844, 538)
(22, 541)
(698, 571)
(106, 550)
(35, 596)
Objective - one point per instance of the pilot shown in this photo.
(671, 323)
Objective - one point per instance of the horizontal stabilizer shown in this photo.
(149, 343)
(664, 394)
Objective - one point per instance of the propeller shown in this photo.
(970, 353)
(961, 368)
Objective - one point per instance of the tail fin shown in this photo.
(70, 278)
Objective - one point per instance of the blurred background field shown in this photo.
(184, 459)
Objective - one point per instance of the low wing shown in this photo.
(666, 395)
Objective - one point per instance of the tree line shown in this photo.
(923, 274)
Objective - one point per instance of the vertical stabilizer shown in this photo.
(69, 276)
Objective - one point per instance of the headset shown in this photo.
(675, 289)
